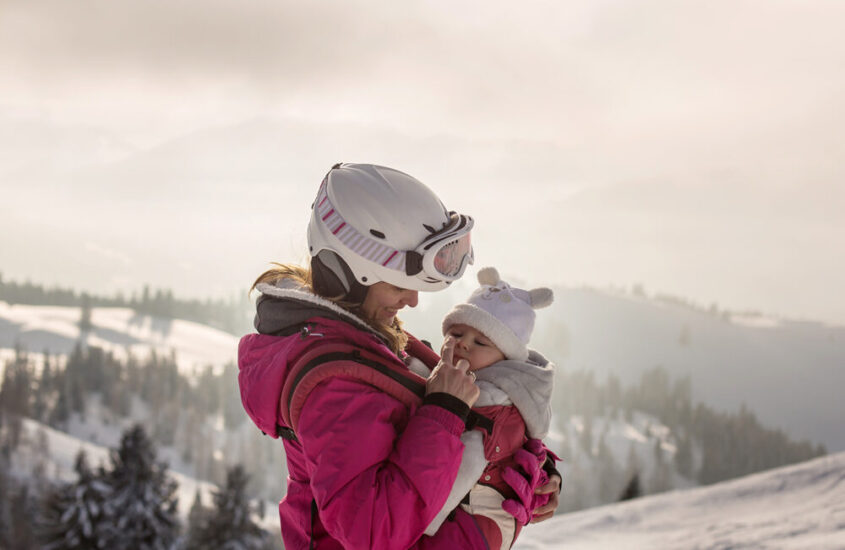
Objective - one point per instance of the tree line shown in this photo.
(729, 444)
(232, 315)
(198, 414)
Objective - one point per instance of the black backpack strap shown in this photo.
(477, 420)
(313, 517)
(474, 419)
(285, 433)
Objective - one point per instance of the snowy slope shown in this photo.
(119, 330)
(800, 506)
(54, 453)
(789, 373)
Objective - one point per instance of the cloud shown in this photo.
(645, 86)
(108, 253)
(719, 118)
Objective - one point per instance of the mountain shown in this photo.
(799, 506)
(790, 373)
(118, 330)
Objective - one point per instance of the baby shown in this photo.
(491, 331)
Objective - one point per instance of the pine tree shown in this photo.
(229, 525)
(142, 505)
(197, 516)
(72, 514)
(85, 324)
(5, 489)
(632, 489)
(15, 395)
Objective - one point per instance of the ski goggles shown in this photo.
(442, 256)
(446, 253)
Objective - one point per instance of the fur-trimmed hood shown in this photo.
(285, 305)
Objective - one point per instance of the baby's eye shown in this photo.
(454, 333)
(480, 343)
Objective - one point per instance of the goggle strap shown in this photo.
(457, 225)
(413, 263)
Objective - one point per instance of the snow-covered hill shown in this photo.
(789, 373)
(118, 330)
(800, 506)
(53, 453)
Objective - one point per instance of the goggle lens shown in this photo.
(449, 259)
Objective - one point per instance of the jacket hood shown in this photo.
(285, 306)
(264, 359)
(528, 385)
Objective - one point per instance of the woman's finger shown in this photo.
(547, 510)
(447, 353)
(541, 517)
(553, 486)
(462, 365)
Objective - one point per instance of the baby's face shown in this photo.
(473, 346)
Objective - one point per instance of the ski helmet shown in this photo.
(372, 223)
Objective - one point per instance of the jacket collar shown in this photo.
(285, 306)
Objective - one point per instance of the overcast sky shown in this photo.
(693, 147)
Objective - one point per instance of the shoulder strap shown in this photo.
(344, 359)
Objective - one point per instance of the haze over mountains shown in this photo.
(789, 373)
(226, 200)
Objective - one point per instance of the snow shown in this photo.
(118, 330)
(758, 321)
(61, 450)
(795, 507)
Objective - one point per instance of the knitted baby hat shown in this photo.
(504, 314)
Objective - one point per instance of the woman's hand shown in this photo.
(552, 488)
(537, 492)
(456, 380)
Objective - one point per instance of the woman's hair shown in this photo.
(310, 280)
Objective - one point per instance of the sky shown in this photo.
(692, 148)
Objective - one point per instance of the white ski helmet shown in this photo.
(384, 225)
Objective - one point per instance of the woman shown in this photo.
(370, 462)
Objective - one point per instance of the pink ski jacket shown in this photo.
(365, 471)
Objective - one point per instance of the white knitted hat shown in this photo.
(502, 313)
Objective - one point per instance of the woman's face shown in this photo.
(384, 300)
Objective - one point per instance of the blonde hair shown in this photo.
(393, 334)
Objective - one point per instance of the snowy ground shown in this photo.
(796, 507)
(56, 452)
(119, 330)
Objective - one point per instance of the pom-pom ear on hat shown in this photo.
(541, 297)
(488, 276)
